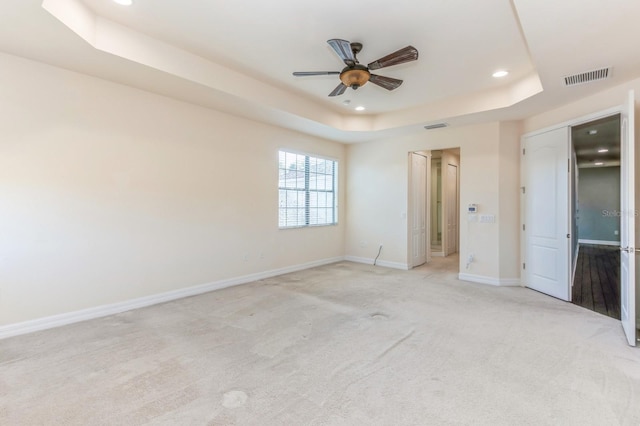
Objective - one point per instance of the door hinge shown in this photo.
(568, 165)
(523, 189)
(568, 235)
(523, 227)
(524, 265)
(523, 151)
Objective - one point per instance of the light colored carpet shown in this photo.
(344, 344)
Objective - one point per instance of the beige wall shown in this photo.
(509, 190)
(377, 184)
(109, 193)
(604, 100)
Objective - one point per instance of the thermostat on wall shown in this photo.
(473, 208)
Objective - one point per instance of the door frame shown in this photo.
(446, 192)
(569, 123)
(427, 153)
(617, 110)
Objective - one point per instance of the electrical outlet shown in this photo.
(470, 258)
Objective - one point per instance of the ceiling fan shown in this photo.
(355, 75)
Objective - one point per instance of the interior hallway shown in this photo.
(342, 344)
(596, 285)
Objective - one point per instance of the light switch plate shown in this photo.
(487, 218)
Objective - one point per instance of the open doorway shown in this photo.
(596, 206)
(548, 231)
(445, 202)
(434, 207)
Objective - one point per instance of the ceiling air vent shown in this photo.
(436, 126)
(587, 77)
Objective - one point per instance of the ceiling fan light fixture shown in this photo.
(355, 77)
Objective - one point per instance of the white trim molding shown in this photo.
(45, 323)
(599, 242)
(510, 282)
(504, 282)
(383, 263)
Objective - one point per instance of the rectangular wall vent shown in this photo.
(436, 126)
(587, 77)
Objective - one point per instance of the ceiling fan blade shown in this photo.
(385, 82)
(339, 90)
(308, 73)
(401, 56)
(343, 50)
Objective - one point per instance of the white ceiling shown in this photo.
(270, 40)
(239, 56)
(589, 138)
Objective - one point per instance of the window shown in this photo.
(307, 191)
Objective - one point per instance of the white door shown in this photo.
(452, 209)
(546, 201)
(627, 223)
(418, 209)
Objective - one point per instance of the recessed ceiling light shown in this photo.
(593, 132)
(501, 73)
(360, 108)
(599, 163)
(603, 150)
(124, 2)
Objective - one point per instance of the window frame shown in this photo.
(307, 190)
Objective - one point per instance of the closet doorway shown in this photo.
(445, 201)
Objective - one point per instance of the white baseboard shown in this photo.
(599, 242)
(505, 282)
(393, 265)
(383, 263)
(154, 299)
(510, 282)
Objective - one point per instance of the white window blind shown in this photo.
(307, 191)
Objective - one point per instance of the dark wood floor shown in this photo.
(596, 285)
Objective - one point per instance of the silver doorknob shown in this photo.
(630, 249)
